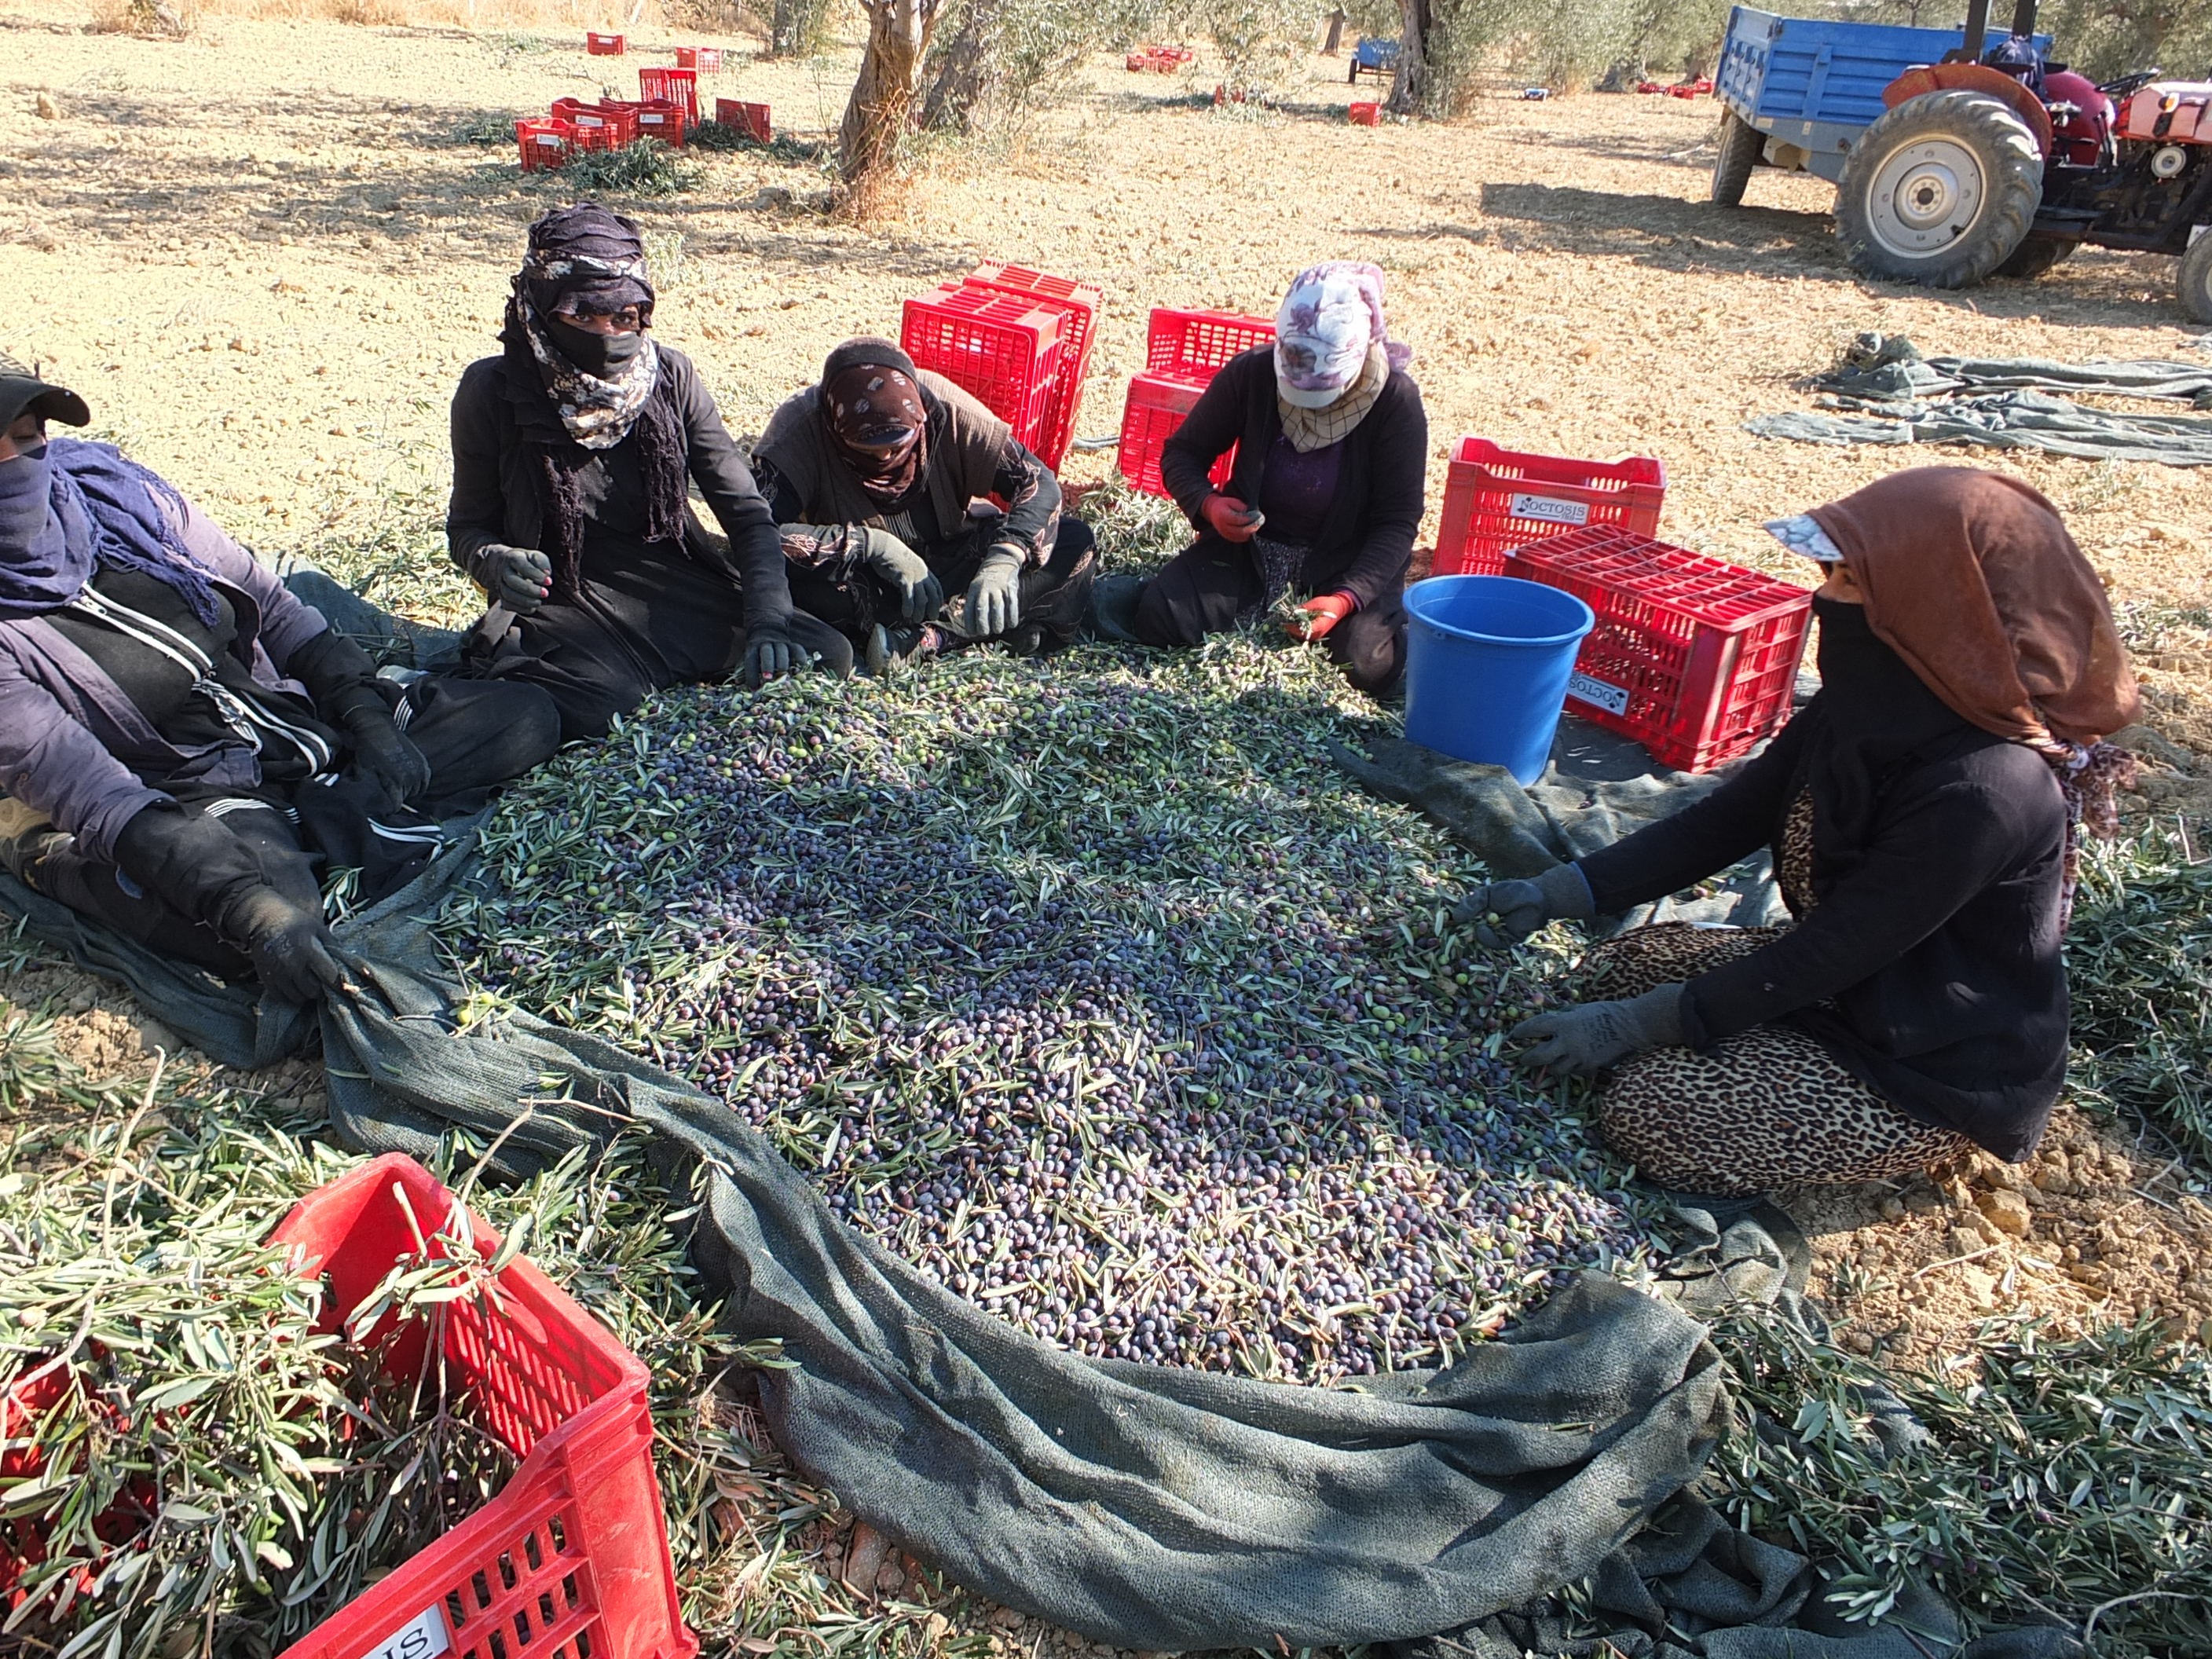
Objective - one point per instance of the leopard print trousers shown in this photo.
(1766, 1107)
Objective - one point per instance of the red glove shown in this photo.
(1319, 614)
(1232, 520)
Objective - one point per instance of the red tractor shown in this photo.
(1981, 162)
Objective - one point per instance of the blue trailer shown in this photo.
(1812, 88)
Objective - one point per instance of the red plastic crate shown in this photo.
(1194, 344)
(572, 1557)
(605, 46)
(1365, 115)
(1078, 304)
(663, 120)
(1004, 350)
(1497, 499)
(544, 144)
(707, 60)
(619, 121)
(749, 118)
(1155, 407)
(679, 86)
(1694, 658)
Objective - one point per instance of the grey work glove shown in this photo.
(994, 598)
(770, 652)
(921, 596)
(519, 578)
(1592, 1036)
(289, 946)
(1560, 894)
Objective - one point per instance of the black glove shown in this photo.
(1591, 1036)
(921, 596)
(1560, 894)
(519, 578)
(290, 945)
(994, 598)
(198, 866)
(342, 680)
(770, 652)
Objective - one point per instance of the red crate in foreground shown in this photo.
(663, 120)
(571, 1559)
(679, 86)
(1197, 343)
(751, 119)
(1155, 408)
(1694, 658)
(544, 144)
(618, 120)
(1364, 115)
(605, 46)
(1003, 349)
(1078, 304)
(1497, 499)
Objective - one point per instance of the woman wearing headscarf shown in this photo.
(572, 453)
(186, 747)
(1924, 811)
(1332, 450)
(913, 518)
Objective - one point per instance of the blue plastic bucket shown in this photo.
(1487, 660)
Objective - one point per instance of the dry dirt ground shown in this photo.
(264, 254)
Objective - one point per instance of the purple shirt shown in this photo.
(74, 747)
(1296, 491)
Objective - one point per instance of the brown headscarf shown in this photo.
(877, 424)
(1971, 577)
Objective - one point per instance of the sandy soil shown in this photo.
(266, 254)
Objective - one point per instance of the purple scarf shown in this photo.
(103, 512)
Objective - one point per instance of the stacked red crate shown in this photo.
(1006, 350)
(1183, 351)
(1497, 499)
(1078, 304)
(679, 86)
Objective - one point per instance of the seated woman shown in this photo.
(183, 743)
(914, 519)
(1923, 812)
(1331, 449)
(571, 452)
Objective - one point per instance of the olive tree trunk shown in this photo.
(1416, 38)
(963, 71)
(882, 96)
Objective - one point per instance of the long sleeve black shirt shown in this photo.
(494, 496)
(1931, 967)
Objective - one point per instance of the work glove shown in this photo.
(1318, 615)
(342, 682)
(1232, 520)
(519, 578)
(994, 598)
(921, 596)
(289, 946)
(1592, 1036)
(1560, 894)
(770, 652)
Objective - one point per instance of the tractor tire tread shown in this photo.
(2195, 279)
(1741, 146)
(2036, 255)
(2012, 191)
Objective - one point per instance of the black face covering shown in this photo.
(603, 356)
(1878, 721)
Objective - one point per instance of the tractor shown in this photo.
(1955, 161)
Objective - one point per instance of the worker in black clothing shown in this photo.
(1924, 812)
(572, 450)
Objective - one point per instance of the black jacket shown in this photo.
(1367, 541)
(496, 427)
(1931, 967)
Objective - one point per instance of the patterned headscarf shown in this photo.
(877, 423)
(585, 253)
(1332, 314)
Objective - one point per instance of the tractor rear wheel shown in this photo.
(2196, 279)
(2035, 256)
(1741, 145)
(1940, 191)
